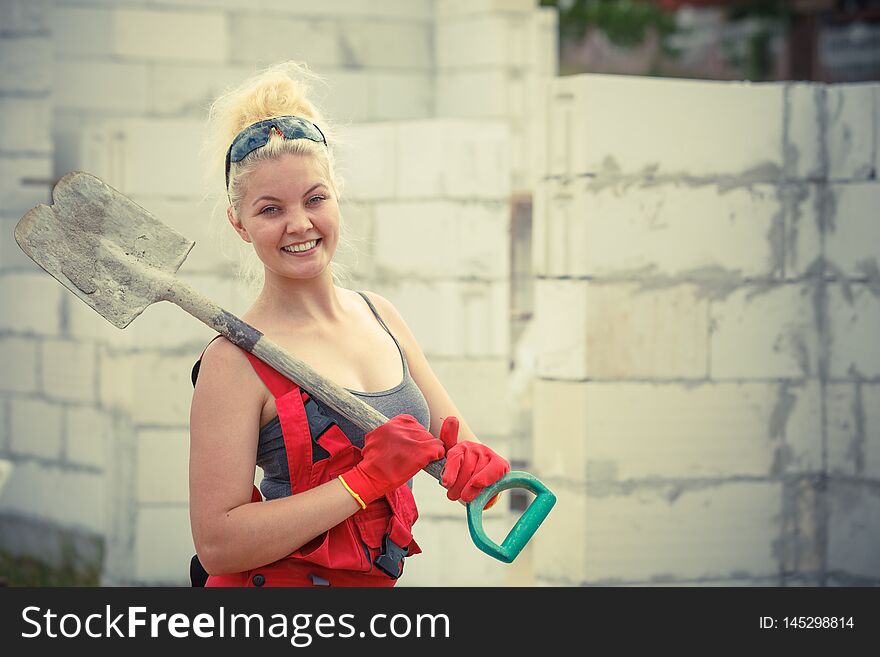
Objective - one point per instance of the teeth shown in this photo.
(295, 248)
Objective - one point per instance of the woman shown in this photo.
(338, 507)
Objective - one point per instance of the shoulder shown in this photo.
(386, 310)
(223, 361)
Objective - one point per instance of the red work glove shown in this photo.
(470, 466)
(392, 454)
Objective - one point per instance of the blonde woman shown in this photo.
(338, 509)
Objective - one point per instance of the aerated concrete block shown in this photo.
(854, 312)
(583, 228)
(162, 466)
(765, 332)
(36, 428)
(69, 370)
(853, 529)
(620, 331)
(163, 546)
(136, 33)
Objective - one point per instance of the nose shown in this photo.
(298, 221)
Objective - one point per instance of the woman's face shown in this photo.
(290, 215)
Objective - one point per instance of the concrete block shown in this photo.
(350, 88)
(354, 253)
(483, 40)
(400, 96)
(806, 205)
(89, 432)
(23, 17)
(724, 531)
(853, 530)
(453, 159)
(368, 161)
(851, 137)
(559, 546)
(445, 542)
(582, 107)
(398, 9)
(165, 326)
(70, 498)
(854, 324)
(27, 64)
(454, 318)
(25, 126)
(31, 303)
(101, 86)
(199, 221)
(493, 93)
(162, 466)
(136, 33)
(163, 546)
(19, 189)
(443, 238)
(620, 331)
(386, 44)
(84, 323)
(481, 391)
(268, 38)
(586, 432)
(805, 105)
(181, 90)
(19, 365)
(852, 242)
(155, 388)
(81, 31)
(134, 155)
(853, 410)
(69, 370)
(664, 231)
(764, 332)
(36, 428)
(4, 440)
(460, 8)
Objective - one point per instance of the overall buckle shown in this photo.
(390, 561)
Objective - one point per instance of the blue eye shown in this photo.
(269, 209)
(316, 196)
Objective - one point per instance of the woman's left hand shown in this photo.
(470, 466)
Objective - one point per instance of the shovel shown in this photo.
(119, 259)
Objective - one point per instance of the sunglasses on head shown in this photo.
(257, 135)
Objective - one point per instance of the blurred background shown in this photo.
(638, 242)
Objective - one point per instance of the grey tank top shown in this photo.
(405, 397)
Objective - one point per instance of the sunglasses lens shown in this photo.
(257, 135)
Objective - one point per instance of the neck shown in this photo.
(312, 300)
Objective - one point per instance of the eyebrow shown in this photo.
(267, 197)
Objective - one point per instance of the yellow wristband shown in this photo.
(353, 494)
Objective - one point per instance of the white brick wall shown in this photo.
(442, 238)
(268, 38)
(30, 303)
(765, 333)
(68, 370)
(36, 428)
(854, 429)
(597, 124)
(851, 113)
(26, 64)
(16, 197)
(18, 362)
(23, 129)
(163, 545)
(607, 433)
(74, 499)
(620, 331)
(480, 389)
(101, 85)
(162, 462)
(137, 32)
(89, 436)
(852, 243)
(853, 530)
(854, 312)
(584, 228)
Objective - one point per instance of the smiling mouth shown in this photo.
(303, 248)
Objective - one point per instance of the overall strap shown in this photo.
(278, 384)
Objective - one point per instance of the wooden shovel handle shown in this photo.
(253, 341)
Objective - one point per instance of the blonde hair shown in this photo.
(280, 90)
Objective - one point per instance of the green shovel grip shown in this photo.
(524, 528)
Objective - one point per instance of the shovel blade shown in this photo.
(103, 247)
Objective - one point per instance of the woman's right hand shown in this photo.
(392, 454)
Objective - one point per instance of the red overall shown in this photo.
(345, 555)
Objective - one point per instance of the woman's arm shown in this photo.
(231, 533)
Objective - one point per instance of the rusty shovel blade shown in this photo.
(103, 247)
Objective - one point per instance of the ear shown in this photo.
(237, 225)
